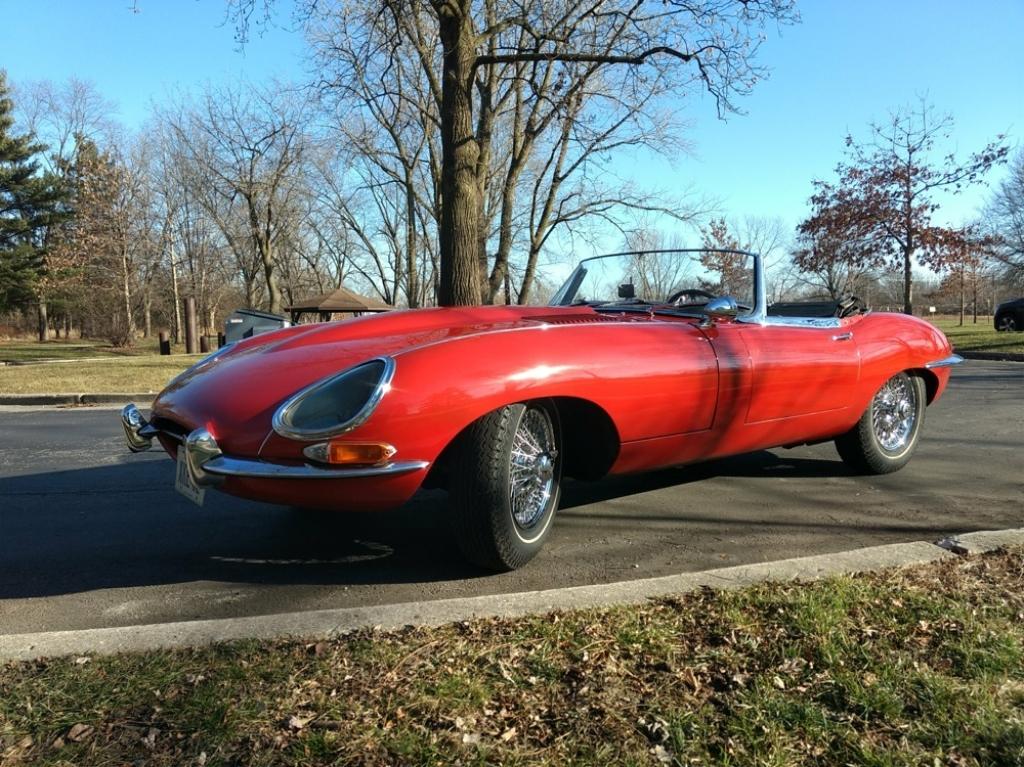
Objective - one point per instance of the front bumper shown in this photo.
(945, 362)
(209, 466)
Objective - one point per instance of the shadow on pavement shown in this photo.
(123, 525)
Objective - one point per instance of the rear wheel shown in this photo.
(505, 485)
(886, 435)
(1006, 322)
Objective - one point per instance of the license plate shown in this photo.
(184, 483)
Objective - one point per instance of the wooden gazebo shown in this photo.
(340, 301)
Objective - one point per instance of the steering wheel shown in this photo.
(690, 293)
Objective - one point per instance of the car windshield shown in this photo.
(676, 280)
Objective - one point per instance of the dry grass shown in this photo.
(910, 667)
(117, 374)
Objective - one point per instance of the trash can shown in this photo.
(245, 323)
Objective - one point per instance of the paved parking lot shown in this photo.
(91, 536)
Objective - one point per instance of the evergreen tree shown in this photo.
(30, 203)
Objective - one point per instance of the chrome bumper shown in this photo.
(946, 362)
(208, 465)
(137, 432)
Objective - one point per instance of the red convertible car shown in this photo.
(641, 361)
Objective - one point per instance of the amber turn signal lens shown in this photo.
(359, 453)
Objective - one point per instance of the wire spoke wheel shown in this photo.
(885, 437)
(505, 484)
(532, 468)
(893, 412)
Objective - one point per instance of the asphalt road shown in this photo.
(91, 536)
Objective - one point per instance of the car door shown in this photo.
(800, 370)
(788, 369)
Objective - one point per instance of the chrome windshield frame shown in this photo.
(758, 313)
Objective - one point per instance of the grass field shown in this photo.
(140, 369)
(141, 373)
(88, 367)
(912, 667)
(980, 337)
(22, 350)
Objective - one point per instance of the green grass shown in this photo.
(912, 667)
(87, 366)
(980, 337)
(141, 373)
(23, 351)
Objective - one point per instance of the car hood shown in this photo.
(235, 394)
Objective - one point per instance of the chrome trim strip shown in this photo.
(227, 466)
(382, 387)
(796, 322)
(945, 362)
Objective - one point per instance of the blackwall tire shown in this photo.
(505, 485)
(886, 436)
(1007, 323)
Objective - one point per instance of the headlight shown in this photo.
(336, 404)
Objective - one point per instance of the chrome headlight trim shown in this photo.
(282, 416)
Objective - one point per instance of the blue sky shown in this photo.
(846, 64)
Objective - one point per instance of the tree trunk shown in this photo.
(412, 287)
(270, 274)
(147, 314)
(528, 273)
(963, 295)
(43, 323)
(974, 296)
(460, 202)
(177, 301)
(499, 273)
(250, 291)
(126, 291)
(67, 327)
(908, 290)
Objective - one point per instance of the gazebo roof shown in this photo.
(340, 300)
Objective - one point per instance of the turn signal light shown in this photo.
(359, 453)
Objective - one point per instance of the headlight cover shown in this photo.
(336, 404)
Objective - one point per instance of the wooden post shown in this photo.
(165, 343)
(191, 329)
(204, 344)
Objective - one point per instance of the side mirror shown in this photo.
(719, 309)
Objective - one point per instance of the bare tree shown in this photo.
(712, 44)
(246, 147)
(1005, 222)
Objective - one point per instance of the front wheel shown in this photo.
(886, 435)
(505, 485)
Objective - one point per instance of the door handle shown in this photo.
(843, 337)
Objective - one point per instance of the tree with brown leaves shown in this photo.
(886, 194)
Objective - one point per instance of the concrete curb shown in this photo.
(78, 399)
(325, 623)
(992, 356)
